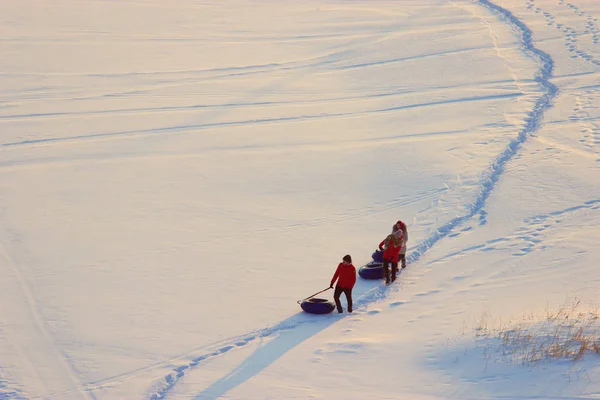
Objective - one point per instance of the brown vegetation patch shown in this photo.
(568, 333)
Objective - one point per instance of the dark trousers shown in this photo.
(386, 270)
(336, 296)
(403, 259)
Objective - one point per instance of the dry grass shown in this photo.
(567, 333)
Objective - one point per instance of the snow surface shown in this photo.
(175, 175)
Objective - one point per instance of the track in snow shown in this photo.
(488, 182)
(7, 392)
(572, 36)
(532, 124)
(213, 125)
(61, 361)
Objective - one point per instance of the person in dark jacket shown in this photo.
(391, 245)
(345, 274)
(402, 227)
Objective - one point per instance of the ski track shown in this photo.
(194, 107)
(321, 61)
(488, 182)
(62, 358)
(317, 62)
(195, 127)
(265, 149)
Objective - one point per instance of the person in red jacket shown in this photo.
(392, 244)
(345, 274)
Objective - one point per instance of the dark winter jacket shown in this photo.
(346, 274)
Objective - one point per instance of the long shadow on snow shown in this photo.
(264, 356)
(288, 338)
(287, 334)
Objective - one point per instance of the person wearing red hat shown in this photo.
(402, 227)
(345, 274)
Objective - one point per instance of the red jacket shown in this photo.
(347, 275)
(392, 252)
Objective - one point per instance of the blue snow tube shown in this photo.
(317, 306)
(372, 270)
(377, 256)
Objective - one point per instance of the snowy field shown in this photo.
(175, 175)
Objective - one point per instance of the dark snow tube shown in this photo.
(373, 270)
(317, 306)
(377, 256)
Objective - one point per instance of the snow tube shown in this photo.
(372, 270)
(377, 256)
(317, 306)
